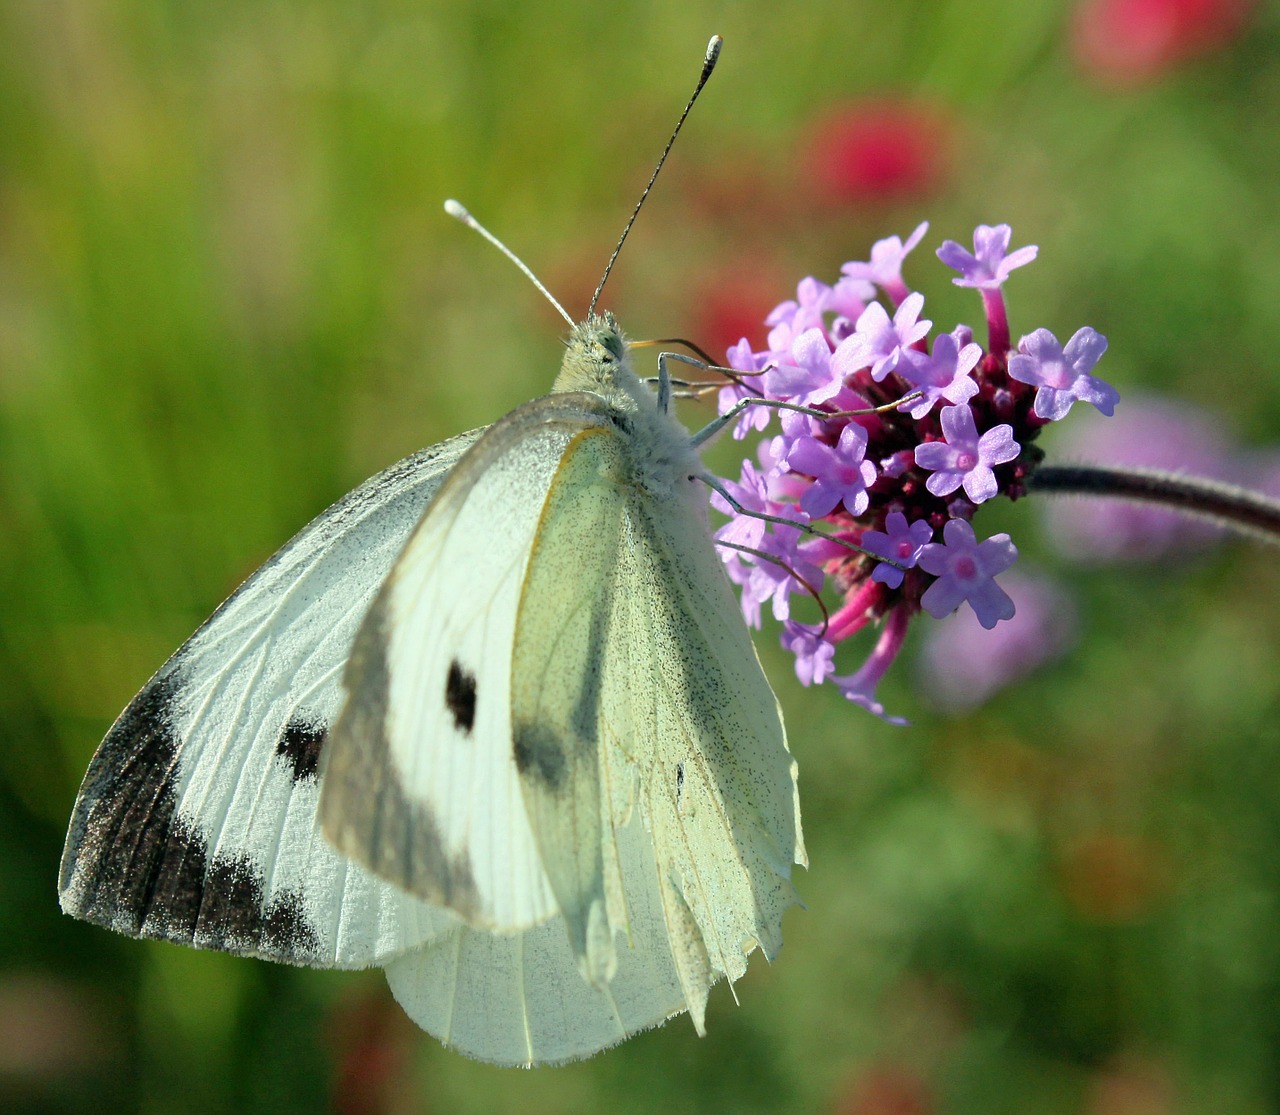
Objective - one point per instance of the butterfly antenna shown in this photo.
(459, 212)
(708, 64)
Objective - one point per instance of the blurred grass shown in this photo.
(227, 294)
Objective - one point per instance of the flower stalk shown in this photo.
(1227, 505)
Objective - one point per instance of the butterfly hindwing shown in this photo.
(558, 669)
(519, 998)
(196, 821)
(692, 739)
(716, 781)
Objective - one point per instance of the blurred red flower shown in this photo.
(733, 305)
(887, 1089)
(879, 149)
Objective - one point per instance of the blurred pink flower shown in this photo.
(1127, 42)
(886, 1088)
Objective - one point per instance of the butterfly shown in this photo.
(493, 722)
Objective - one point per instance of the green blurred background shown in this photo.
(228, 294)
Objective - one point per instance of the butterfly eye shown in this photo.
(612, 344)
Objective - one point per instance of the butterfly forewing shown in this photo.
(196, 821)
(421, 783)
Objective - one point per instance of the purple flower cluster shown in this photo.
(913, 434)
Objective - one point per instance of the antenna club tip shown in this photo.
(713, 49)
(456, 210)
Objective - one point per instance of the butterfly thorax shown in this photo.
(597, 362)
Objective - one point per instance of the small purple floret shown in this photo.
(751, 493)
(1062, 372)
(815, 656)
(966, 569)
(774, 581)
(885, 268)
(806, 310)
(878, 342)
(806, 377)
(987, 266)
(901, 541)
(965, 458)
(742, 359)
(841, 473)
(942, 374)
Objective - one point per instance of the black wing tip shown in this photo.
(132, 864)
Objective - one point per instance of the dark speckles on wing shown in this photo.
(460, 696)
(301, 743)
(284, 924)
(133, 864)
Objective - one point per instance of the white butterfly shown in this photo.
(555, 801)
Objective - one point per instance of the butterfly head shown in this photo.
(596, 358)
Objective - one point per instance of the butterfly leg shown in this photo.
(716, 486)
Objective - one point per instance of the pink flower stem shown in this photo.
(997, 323)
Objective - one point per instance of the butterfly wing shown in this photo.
(558, 668)
(196, 821)
(420, 782)
(518, 998)
(694, 714)
(633, 671)
(634, 683)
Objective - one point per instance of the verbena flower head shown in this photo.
(955, 426)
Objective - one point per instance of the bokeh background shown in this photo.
(228, 294)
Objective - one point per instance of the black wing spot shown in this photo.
(460, 696)
(540, 754)
(364, 803)
(679, 783)
(301, 743)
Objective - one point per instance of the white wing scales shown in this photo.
(196, 821)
